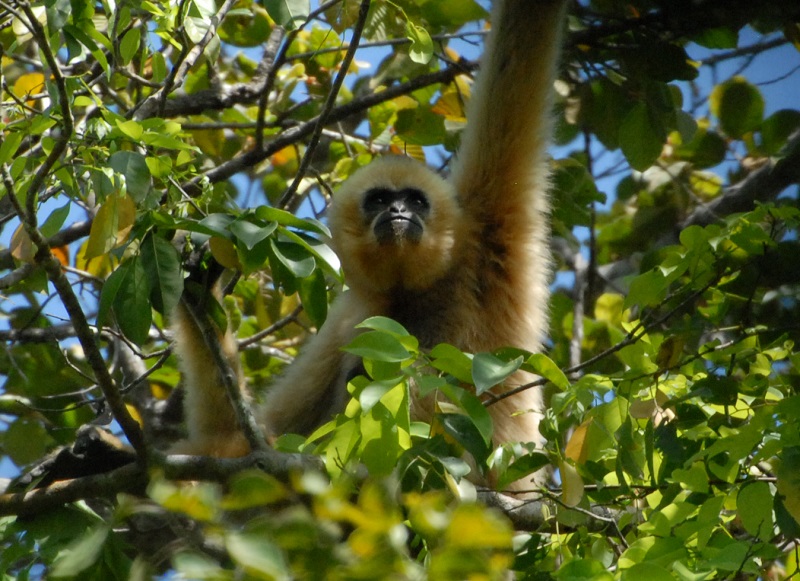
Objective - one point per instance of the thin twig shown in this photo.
(322, 119)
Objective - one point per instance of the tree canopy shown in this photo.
(142, 138)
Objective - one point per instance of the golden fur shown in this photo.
(478, 277)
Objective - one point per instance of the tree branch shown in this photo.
(762, 185)
(133, 478)
(295, 134)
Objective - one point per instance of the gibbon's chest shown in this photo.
(431, 316)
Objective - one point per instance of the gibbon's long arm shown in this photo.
(501, 173)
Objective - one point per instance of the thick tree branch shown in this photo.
(301, 131)
(155, 104)
(760, 186)
(133, 478)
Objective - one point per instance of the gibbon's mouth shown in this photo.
(398, 228)
(397, 220)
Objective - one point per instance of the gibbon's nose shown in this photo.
(398, 207)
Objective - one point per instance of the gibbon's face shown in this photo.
(396, 216)
(394, 225)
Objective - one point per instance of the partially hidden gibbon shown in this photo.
(463, 260)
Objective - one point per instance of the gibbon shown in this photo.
(463, 260)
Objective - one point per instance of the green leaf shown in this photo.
(488, 370)
(313, 293)
(521, 467)
(583, 569)
(738, 105)
(451, 13)
(776, 129)
(706, 149)
(11, 142)
(373, 393)
(251, 489)
(542, 365)
(660, 61)
(421, 49)
(137, 175)
(25, 441)
(385, 325)
(640, 138)
(127, 292)
(420, 126)
(162, 264)
(288, 13)
(694, 479)
(159, 66)
(214, 225)
(131, 128)
(251, 234)
(378, 347)
(474, 409)
(453, 361)
(81, 554)
(55, 220)
(754, 506)
(464, 431)
(649, 571)
(284, 218)
(73, 32)
(720, 38)
(129, 45)
(294, 257)
(647, 289)
(257, 555)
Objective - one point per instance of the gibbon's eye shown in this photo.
(376, 200)
(417, 200)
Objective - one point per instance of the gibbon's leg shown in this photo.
(211, 424)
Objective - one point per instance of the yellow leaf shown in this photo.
(111, 226)
(451, 105)
(22, 247)
(160, 390)
(475, 527)
(30, 84)
(670, 351)
(284, 156)
(609, 308)
(224, 252)
(210, 141)
(571, 484)
(134, 413)
(577, 446)
(400, 147)
(62, 254)
(99, 266)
